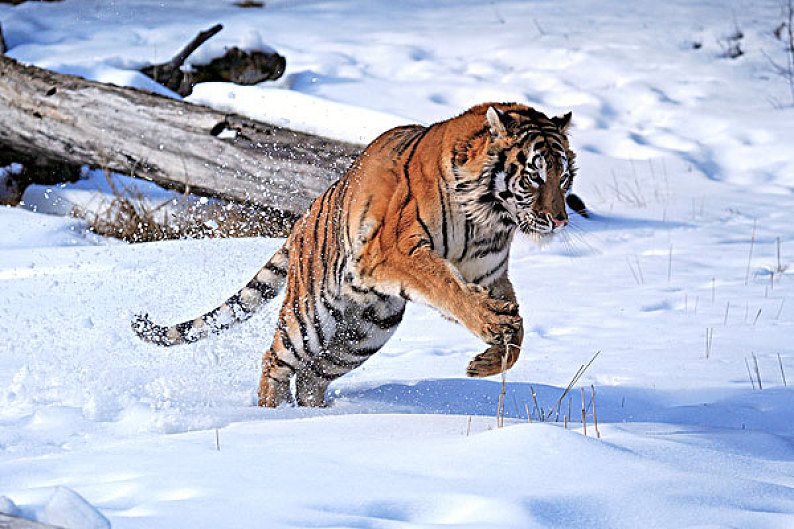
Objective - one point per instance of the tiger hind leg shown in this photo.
(274, 384)
(310, 387)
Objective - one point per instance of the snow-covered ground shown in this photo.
(687, 160)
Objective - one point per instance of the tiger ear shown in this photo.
(562, 122)
(495, 118)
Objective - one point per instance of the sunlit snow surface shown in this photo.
(682, 154)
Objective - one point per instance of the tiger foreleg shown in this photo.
(425, 277)
(498, 357)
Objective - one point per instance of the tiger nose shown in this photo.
(559, 220)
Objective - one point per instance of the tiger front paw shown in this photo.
(492, 361)
(495, 321)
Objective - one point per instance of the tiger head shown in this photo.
(526, 173)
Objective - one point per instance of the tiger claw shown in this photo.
(492, 361)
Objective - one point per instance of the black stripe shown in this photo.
(276, 270)
(416, 246)
(282, 363)
(366, 210)
(424, 227)
(183, 329)
(366, 291)
(323, 251)
(368, 315)
(467, 229)
(407, 163)
(308, 300)
(302, 325)
(486, 251)
(443, 219)
(336, 314)
(320, 373)
(492, 271)
(454, 160)
(264, 289)
(296, 300)
(286, 342)
(365, 351)
(407, 139)
(347, 364)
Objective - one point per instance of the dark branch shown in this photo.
(3, 46)
(180, 58)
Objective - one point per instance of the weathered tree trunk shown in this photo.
(69, 120)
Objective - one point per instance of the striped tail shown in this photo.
(262, 288)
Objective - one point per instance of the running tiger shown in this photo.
(425, 214)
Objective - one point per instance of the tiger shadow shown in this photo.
(481, 397)
(729, 409)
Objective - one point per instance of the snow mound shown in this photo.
(297, 111)
(8, 507)
(69, 510)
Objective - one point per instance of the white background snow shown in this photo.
(683, 153)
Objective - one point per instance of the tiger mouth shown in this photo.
(532, 225)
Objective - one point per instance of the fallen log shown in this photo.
(69, 121)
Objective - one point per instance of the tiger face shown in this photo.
(532, 168)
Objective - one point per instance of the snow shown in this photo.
(8, 507)
(685, 159)
(298, 111)
(94, 192)
(66, 508)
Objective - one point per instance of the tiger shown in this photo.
(424, 214)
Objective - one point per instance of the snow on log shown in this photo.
(72, 121)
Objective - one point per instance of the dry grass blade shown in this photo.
(757, 371)
(633, 273)
(750, 256)
(709, 337)
(537, 408)
(782, 373)
(500, 412)
(670, 264)
(571, 384)
(749, 373)
(595, 415)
